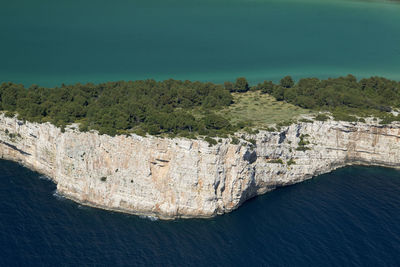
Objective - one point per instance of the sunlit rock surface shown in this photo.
(175, 178)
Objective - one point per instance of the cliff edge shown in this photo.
(182, 178)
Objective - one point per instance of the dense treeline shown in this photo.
(114, 107)
(188, 108)
(343, 95)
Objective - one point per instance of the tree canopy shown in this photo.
(149, 106)
(374, 96)
(185, 107)
(241, 85)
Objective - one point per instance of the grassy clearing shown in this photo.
(260, 109)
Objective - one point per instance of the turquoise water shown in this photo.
(347, 218)
(53, 42)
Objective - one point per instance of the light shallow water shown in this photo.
(350, 217)
(53, 42)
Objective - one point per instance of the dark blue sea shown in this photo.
(350, 217)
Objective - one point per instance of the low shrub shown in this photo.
(211, 141)
(235, 140)
(321, 117)
(277, 161)
(291, 162)
(303, 142)
(253, 142)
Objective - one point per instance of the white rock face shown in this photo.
(180, 178)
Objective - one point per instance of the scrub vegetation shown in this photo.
(260, 110)
(190, 109)
(345, 97)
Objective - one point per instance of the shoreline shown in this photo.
(181, 178)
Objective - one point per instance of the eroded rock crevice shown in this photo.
(173, 178)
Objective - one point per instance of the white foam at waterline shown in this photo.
(83, 207)
(44, 177)
(148, 217)
(58, 195)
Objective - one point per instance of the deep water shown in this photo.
(49, 42)
(350, 217)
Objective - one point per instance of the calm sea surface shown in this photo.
(350, 217)
(52, 42)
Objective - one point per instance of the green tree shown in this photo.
(278, 93)
(229, 86)
(287, 82)
(241, 85)
(9, 99)
(266, 87)
(214, 121)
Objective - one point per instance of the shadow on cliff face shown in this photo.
(250, 157)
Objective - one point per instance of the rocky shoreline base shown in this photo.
(182, 178)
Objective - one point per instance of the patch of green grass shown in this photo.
(260, 110)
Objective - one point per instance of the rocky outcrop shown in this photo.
(174, 178)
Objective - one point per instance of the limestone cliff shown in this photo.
(172, 178)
